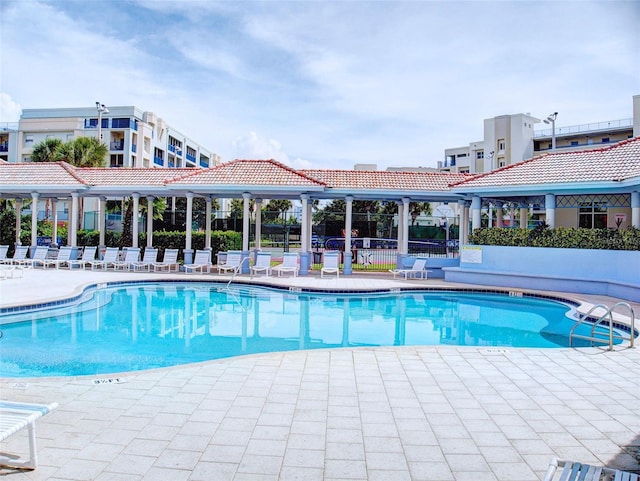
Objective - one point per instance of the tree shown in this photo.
(281, 206)
(417, 208)
(83, 152)
(46, 151)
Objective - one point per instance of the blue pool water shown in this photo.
(148, 325)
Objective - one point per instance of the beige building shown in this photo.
(509, 139)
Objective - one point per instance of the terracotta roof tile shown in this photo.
(38, 173)
(132, 176)
(617, 162)
(362, 179)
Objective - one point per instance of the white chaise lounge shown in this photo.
(15, 416)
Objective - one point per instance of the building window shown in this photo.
(605, 140)
(502, 145)
(480, 154)
(574, 143)
(117, 160)
(501, 162)
(28, 139)
(593, 215)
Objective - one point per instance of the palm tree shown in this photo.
(46, 151)
(281, 206)
(417, 208)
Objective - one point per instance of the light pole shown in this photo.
(101, 110)
(551, 119)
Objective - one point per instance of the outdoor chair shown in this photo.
(561, 470)
(38, 258)
(169, 261)
(289, 264)
(417, 270)
(19, 256)
(131, 256)
(150, 256)
(63, 257)
(3, 255)
(10, 272)
(232, 263)
(110, 256)
(201, 262)
(88, 255)
(14, 416)
(330, 264)
(263, 264)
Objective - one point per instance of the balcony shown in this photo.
(191, 158)
(116, 145)
(133, 148)
(158, 161)
(609, 126)
(4, 147)
(204, 163)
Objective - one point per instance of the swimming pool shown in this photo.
(137, 326)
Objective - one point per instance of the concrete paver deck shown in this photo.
(388, 413)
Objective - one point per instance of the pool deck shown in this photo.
(389, 413)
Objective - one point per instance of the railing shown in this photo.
(116, 145)
(192, 158)
(158, 160)
(583, 128)
(599, 335)
(133, 148)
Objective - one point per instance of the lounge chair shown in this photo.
(330, 264)
(88, 255)
(20, 256)
(201, 262)
(572, 471)
(64, 255)
(131, 256)
(15, 416)
(169, 261)
(110, 256)
(38, 258)
(10, 272)
(417, 270)
(150, 256)
(3, 255)
(289, 264)
(232, 264)
(263, 264)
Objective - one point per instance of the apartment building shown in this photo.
(135, 138)
(509, 139)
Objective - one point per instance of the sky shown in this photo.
(325, 84)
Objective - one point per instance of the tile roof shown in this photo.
(39, 173)
(367, 180)
(132, 176)
(251, 172)
(617, 162)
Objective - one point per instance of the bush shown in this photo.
(562, 237)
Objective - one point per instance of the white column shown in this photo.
(550, 209)
(635, 209)
(150, 221)
(54, 219)
(464, 223)
(102, 224)
(476, 211)
(18, 219)
(136, 219)
(405, 225)
(207, 223)
(189, 220)
(73, 221)
(309, 225)
(34, 217)
(258, 224)
(499, 214)
(304, 228)
(246, 196)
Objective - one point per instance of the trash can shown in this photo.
(317, 257)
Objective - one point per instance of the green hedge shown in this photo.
(563, 237)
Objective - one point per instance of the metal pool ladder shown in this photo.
(600, 336)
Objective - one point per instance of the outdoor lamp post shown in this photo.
(101, 110)
(551, 119)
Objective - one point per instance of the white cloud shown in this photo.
(10, 111)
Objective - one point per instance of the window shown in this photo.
(463, 171)
(574, 143)
(592, 215)
(480, 154)
(28, 139)
(117, 160)
(502, 145)
(461, 155)
(605, 140)
(501, 162)
(121, 123)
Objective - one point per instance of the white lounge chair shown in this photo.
(131, 256)
(64, 254)
(232, 264)
(169, 261)
(15, 416)
(201, 262)
(330, 264)
(110, 256)
(88, 255)
(38, 258)
(3, 255)
(19, 256)
(289, 264)
(10, 272)
(150, 256)
(263, 264)
(572, 471)
(417, 270)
